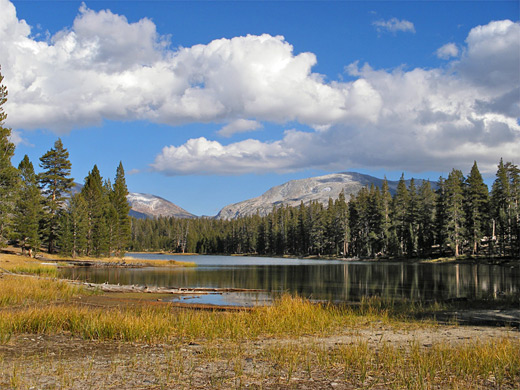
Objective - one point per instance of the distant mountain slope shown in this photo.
(147, 205)
(319, 188)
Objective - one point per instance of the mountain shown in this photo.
(319, 188)
(146, 206)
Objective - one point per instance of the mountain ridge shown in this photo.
(148, 206)
(293, 192)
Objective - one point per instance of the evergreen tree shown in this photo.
(412, 220)
(375, 215)
(454, 210)
(96, 200)
(74, 227)
(342, 231)
(514, 180)
(400, 217)
(501, 208)
(28, 209)
(476, 199)
(111, 219)
(426, 218)
(56, 185)
(441, 216)
(8, 174)
(386, 204)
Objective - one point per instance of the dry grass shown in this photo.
(288, 316)
(124, 261)
(27, 291)
(236, 365)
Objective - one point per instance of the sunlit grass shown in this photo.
(288, 316)
(489, 364)
(19, 290)
(26, 265)
(124, 261)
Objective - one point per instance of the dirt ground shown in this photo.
(66, 362)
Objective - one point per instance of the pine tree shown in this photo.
(375, 215)
(74, 227)
(399, 215)
(386, 203)
(426, 218)
(412, 220)
(56, 185)
(28, 209)
(8, 174)
(111, 219)
(96, 200)
(501, 208)
(441, 232)
(476, 200)
(514, 181)
(454, 210)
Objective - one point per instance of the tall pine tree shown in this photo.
(455, 218)
(29, 209)
(122, 208)
(476, 202)
(8, 174)
(56, 185)
(96, 200)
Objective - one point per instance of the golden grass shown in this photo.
(124, 260)
(288, 316)
(19, 290)
(26, 265)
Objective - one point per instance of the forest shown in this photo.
(459, 217)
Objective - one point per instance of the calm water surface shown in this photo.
(314, 279)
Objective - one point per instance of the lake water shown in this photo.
(315, 279)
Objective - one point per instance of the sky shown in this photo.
(208, 103)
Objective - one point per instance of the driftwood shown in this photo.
(164, 290)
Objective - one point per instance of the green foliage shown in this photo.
(8, 174)
(121, 208)
(56, 185)
(74, 227)
(455, 218)
(29, 208)
(476, 197)
(97, 207)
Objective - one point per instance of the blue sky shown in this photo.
(211, 103)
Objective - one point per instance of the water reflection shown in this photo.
(323, 280)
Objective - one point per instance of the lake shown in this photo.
(333, 280)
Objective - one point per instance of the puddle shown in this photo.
(226, 299)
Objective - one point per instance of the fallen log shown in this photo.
(164, 290)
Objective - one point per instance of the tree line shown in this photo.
(40, 210)
(458, 215)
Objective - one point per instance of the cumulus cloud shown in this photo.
(239, 126)
(240, 157)
(447, 51)
(428, 119)
(394, 25)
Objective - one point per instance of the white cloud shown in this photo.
(394, 25)
(447, 51)
(200, 156)
(239, 126)
(418, 119)
(425, 118)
